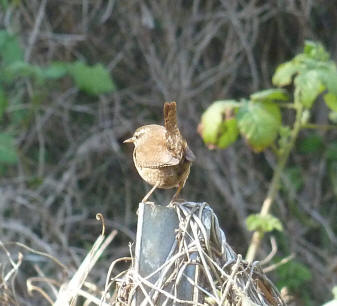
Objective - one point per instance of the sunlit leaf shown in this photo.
(284, 73)
(273, 94)
(329, 78)
(218, 126)
(307, 87)
(315, 50)
(331, 101)
(264, 224)
(259, 123)
(228, 133)
(91, 79)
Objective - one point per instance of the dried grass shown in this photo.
(221, 276)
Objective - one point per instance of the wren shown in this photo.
(161, 155)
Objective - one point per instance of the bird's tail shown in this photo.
(170, 118)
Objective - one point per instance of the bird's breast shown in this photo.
(167, 177)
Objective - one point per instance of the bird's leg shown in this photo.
(150, 192)
(174, 198)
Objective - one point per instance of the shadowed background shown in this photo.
(71, 160)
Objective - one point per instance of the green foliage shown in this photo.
(259, 123)
(10, 50)
(259, 119)
(7, 149)
(284, 74)
(55, 70)
(331, 101)
(307, 87)
(263, 224)
(91, 79)
(312, 143)
(270, 95)
(293, 275)
(218, 126)
(285, 135)
(313, 74)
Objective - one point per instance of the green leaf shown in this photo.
(293, 275)
(268, 95)
(259, 123)
(228, 133)
(55, 70)
(264, 224)
(91, 79)
(315, 50)
(7, 149)
(284, 73)
(4, 4)
(218, 126)
(329, 78)
(307, 87)
(23, 69)
(331, 101)
(10, 50)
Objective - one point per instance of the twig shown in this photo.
(33, 36)
(280, 263)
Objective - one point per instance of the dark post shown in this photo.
(156, 237)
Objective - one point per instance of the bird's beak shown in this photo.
(129, 140)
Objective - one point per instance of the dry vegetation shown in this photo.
(72, 163)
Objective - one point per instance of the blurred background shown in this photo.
(78, 77)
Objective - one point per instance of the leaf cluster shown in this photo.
(93, 80)
(259, 119)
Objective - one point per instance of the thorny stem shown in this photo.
(275, 183)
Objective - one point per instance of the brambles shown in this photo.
(259, 121)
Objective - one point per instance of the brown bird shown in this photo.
(161, 155)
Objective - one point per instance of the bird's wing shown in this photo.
(189, 155)
(155, 155)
